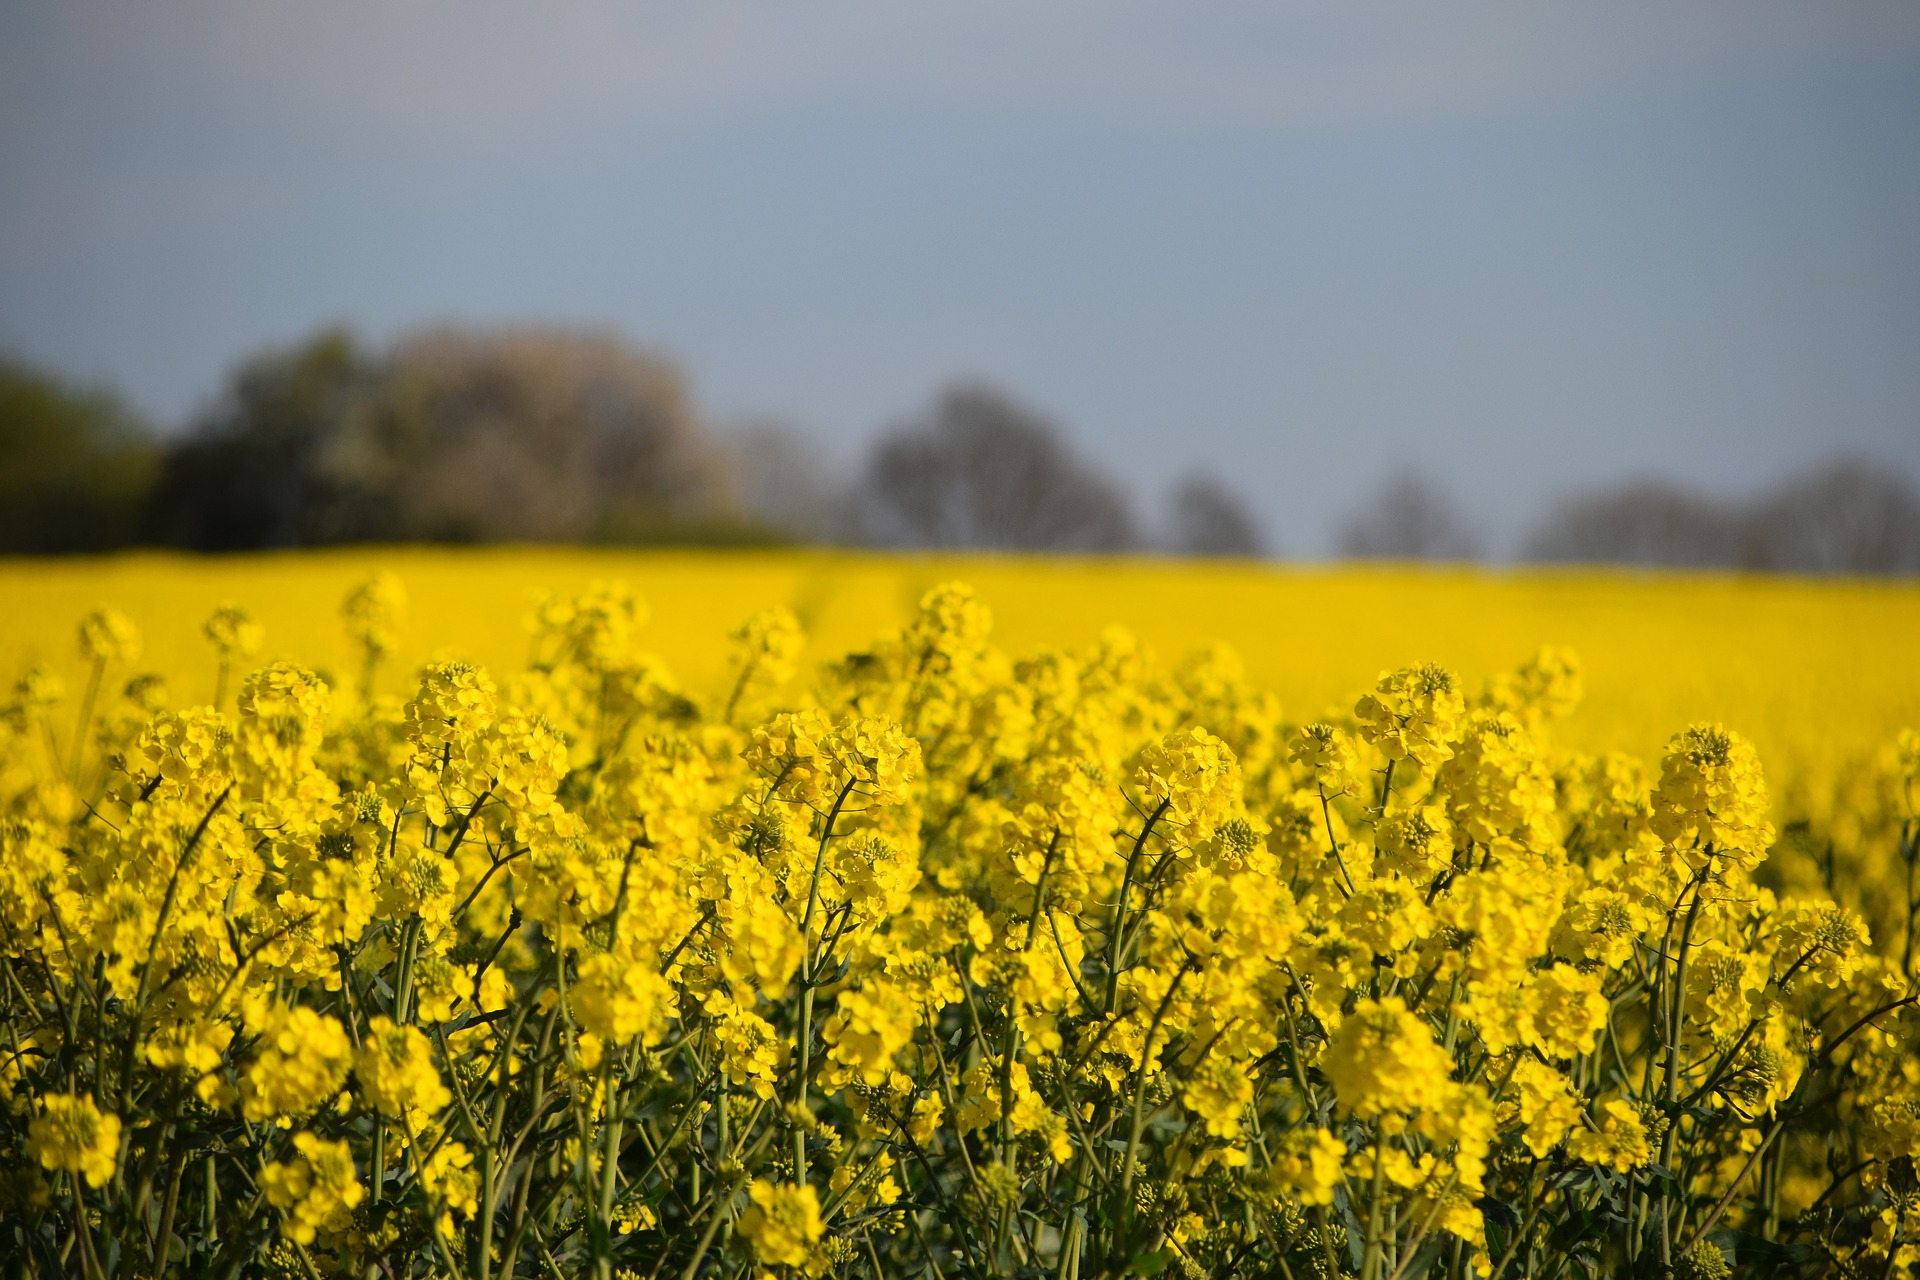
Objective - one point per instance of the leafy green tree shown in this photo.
(75, 465)
(254, 472)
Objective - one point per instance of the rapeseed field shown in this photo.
(1812, 670)
(530, 913)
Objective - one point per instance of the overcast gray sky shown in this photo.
(1522, 245)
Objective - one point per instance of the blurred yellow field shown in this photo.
(1814, 671)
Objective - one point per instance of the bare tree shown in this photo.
(1844, 517)
(1209, 519)
(1410, 518)
(981, 471)
(785, 485)
(1641, 522)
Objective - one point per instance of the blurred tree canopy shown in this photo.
(1209, 519)
(1845, 517)
(450, 436)
(981, 471)
(75, 466)
(1410, 518)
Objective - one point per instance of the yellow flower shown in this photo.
(1418, 842)
(1218, 1092)
(109, 636)
(148, 691)
(1544, 1105)
(1383, 1059)
(815, 761)
(1307, 1166)
(233, 632)
(1196, 777)
(764, 944)
(396, 1073)
(301, 1062)
(1497, 783)
(450, 1182)
(928, 1111)
(594, 628)
(522, 760)
(1501, 920)
(751, 1051)
(1547, 686)
(1413, 712)
(949, 628)
(1712, 797)
(617, 1000)
(73, 1135)
(783, 1222)
(1327, 755)
(590, 863)
(1601, 924)
(39, 689)
(454, 704)
(876, 753)
(857, 1187)
(1568, 1010)
(871, 1026)
(1820, 942)
(1705, 1261)
(769, 643)
(194, 1047)
(317, 1191)
(374, 612)
(788, 752)
(191, 749)
(416, 881)
(281, 724)
(1620, 1142)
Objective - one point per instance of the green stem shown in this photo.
(1376, 1213)
(1120, 906)
(739, 687)
(1676, 1027)
(163, 1242)
(1129, 1161)
(609, 1174)
(806, 985)
(86, 718)
(403, 980)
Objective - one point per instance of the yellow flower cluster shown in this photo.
(934, 961)
(300, 1062)
(316, 1190)
(783, 1222)
(70, 1134)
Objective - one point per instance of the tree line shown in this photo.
(1840, 516)
(562, 436)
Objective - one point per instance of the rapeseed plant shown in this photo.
(940, 964)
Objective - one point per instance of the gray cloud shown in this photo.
(123, 119)
(490, 75)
